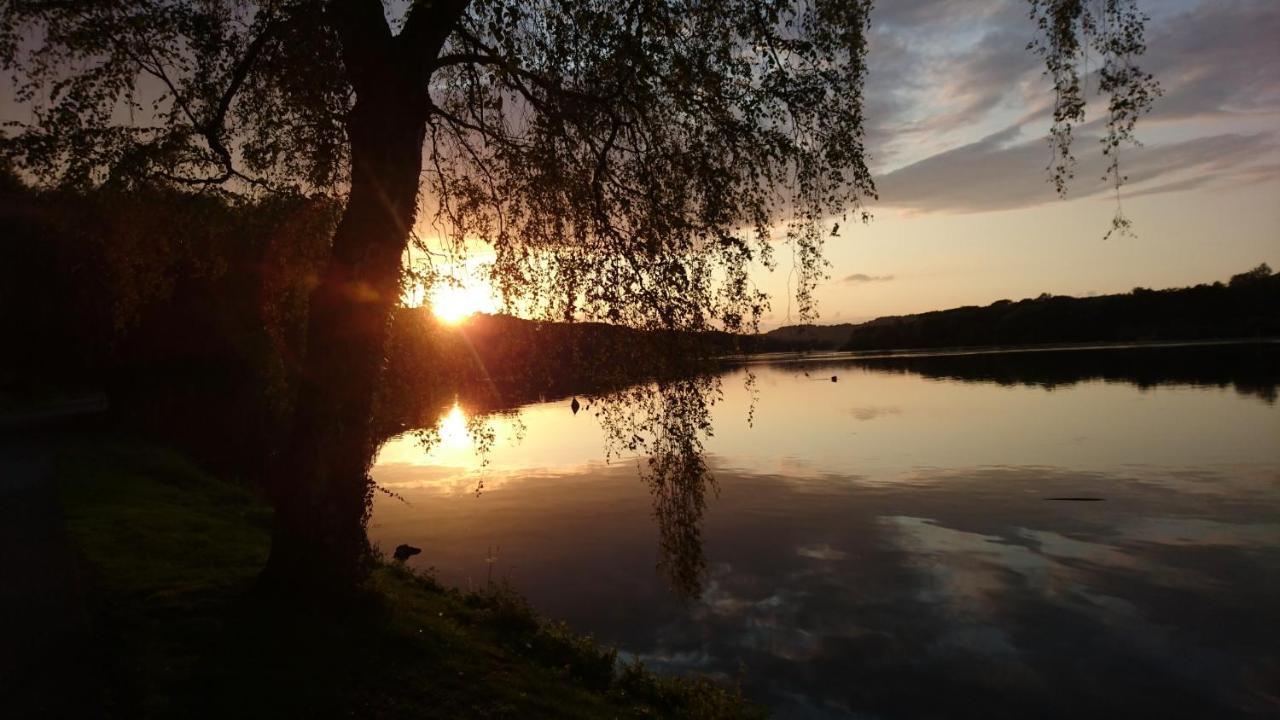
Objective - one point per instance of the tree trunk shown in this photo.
(322, 489)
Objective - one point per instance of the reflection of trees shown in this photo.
(1252, 369)
(667, 422)
(651, 392)
(663, 422)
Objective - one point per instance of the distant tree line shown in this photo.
(1248, 306)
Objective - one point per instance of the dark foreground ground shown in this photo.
(128, 579)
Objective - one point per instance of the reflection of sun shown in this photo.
(453, 304)
(453, 429)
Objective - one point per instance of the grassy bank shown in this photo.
(170, 555)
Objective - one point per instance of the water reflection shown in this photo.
(1251, 369)
(451, 431)
(867, 540)
(659, 426)
(667, 423)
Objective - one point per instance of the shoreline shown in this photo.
(799, 356)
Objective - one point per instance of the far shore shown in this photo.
(821, 355)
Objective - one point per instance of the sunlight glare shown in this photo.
(454, 304)
(453, 429)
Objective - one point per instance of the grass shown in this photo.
(172, 555)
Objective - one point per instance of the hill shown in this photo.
(810, 337)
(1247, 306)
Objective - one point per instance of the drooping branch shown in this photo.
(1115, 31)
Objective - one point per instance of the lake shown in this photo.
(1089, 533)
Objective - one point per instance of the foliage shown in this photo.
(187, 308)
(642, 149)
(1115, 31)
(10, 182)
(201, 94)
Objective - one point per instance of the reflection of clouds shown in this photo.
(844, 598)
(682, 662)
(871, 412)
(771, 625)
(463, 480)
(802, 472)
(1062, 547)
(441, 479)
(1012, 586)
(821, 552)
(1087, 559)
(965, 568)
(402, 475)
(1234, 481)
(1199, 532)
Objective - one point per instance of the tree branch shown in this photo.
(213, 127)
(426, 28)
(239, 74)
(491, 56)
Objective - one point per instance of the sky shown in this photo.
(957, 115)
(958, 112)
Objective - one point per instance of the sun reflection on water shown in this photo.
(453, 430)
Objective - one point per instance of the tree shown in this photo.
(626, 161)
(1256, 275)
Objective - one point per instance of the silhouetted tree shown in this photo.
(1256, 275)
(9, 180)
(626, 161)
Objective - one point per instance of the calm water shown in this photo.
(896, 543)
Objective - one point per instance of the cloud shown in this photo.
(864, 278)
(1217, 58)
(997, 173)
(957, 108)
(936, 67)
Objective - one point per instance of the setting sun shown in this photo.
(453, 304)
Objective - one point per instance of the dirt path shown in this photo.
(44, 626)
